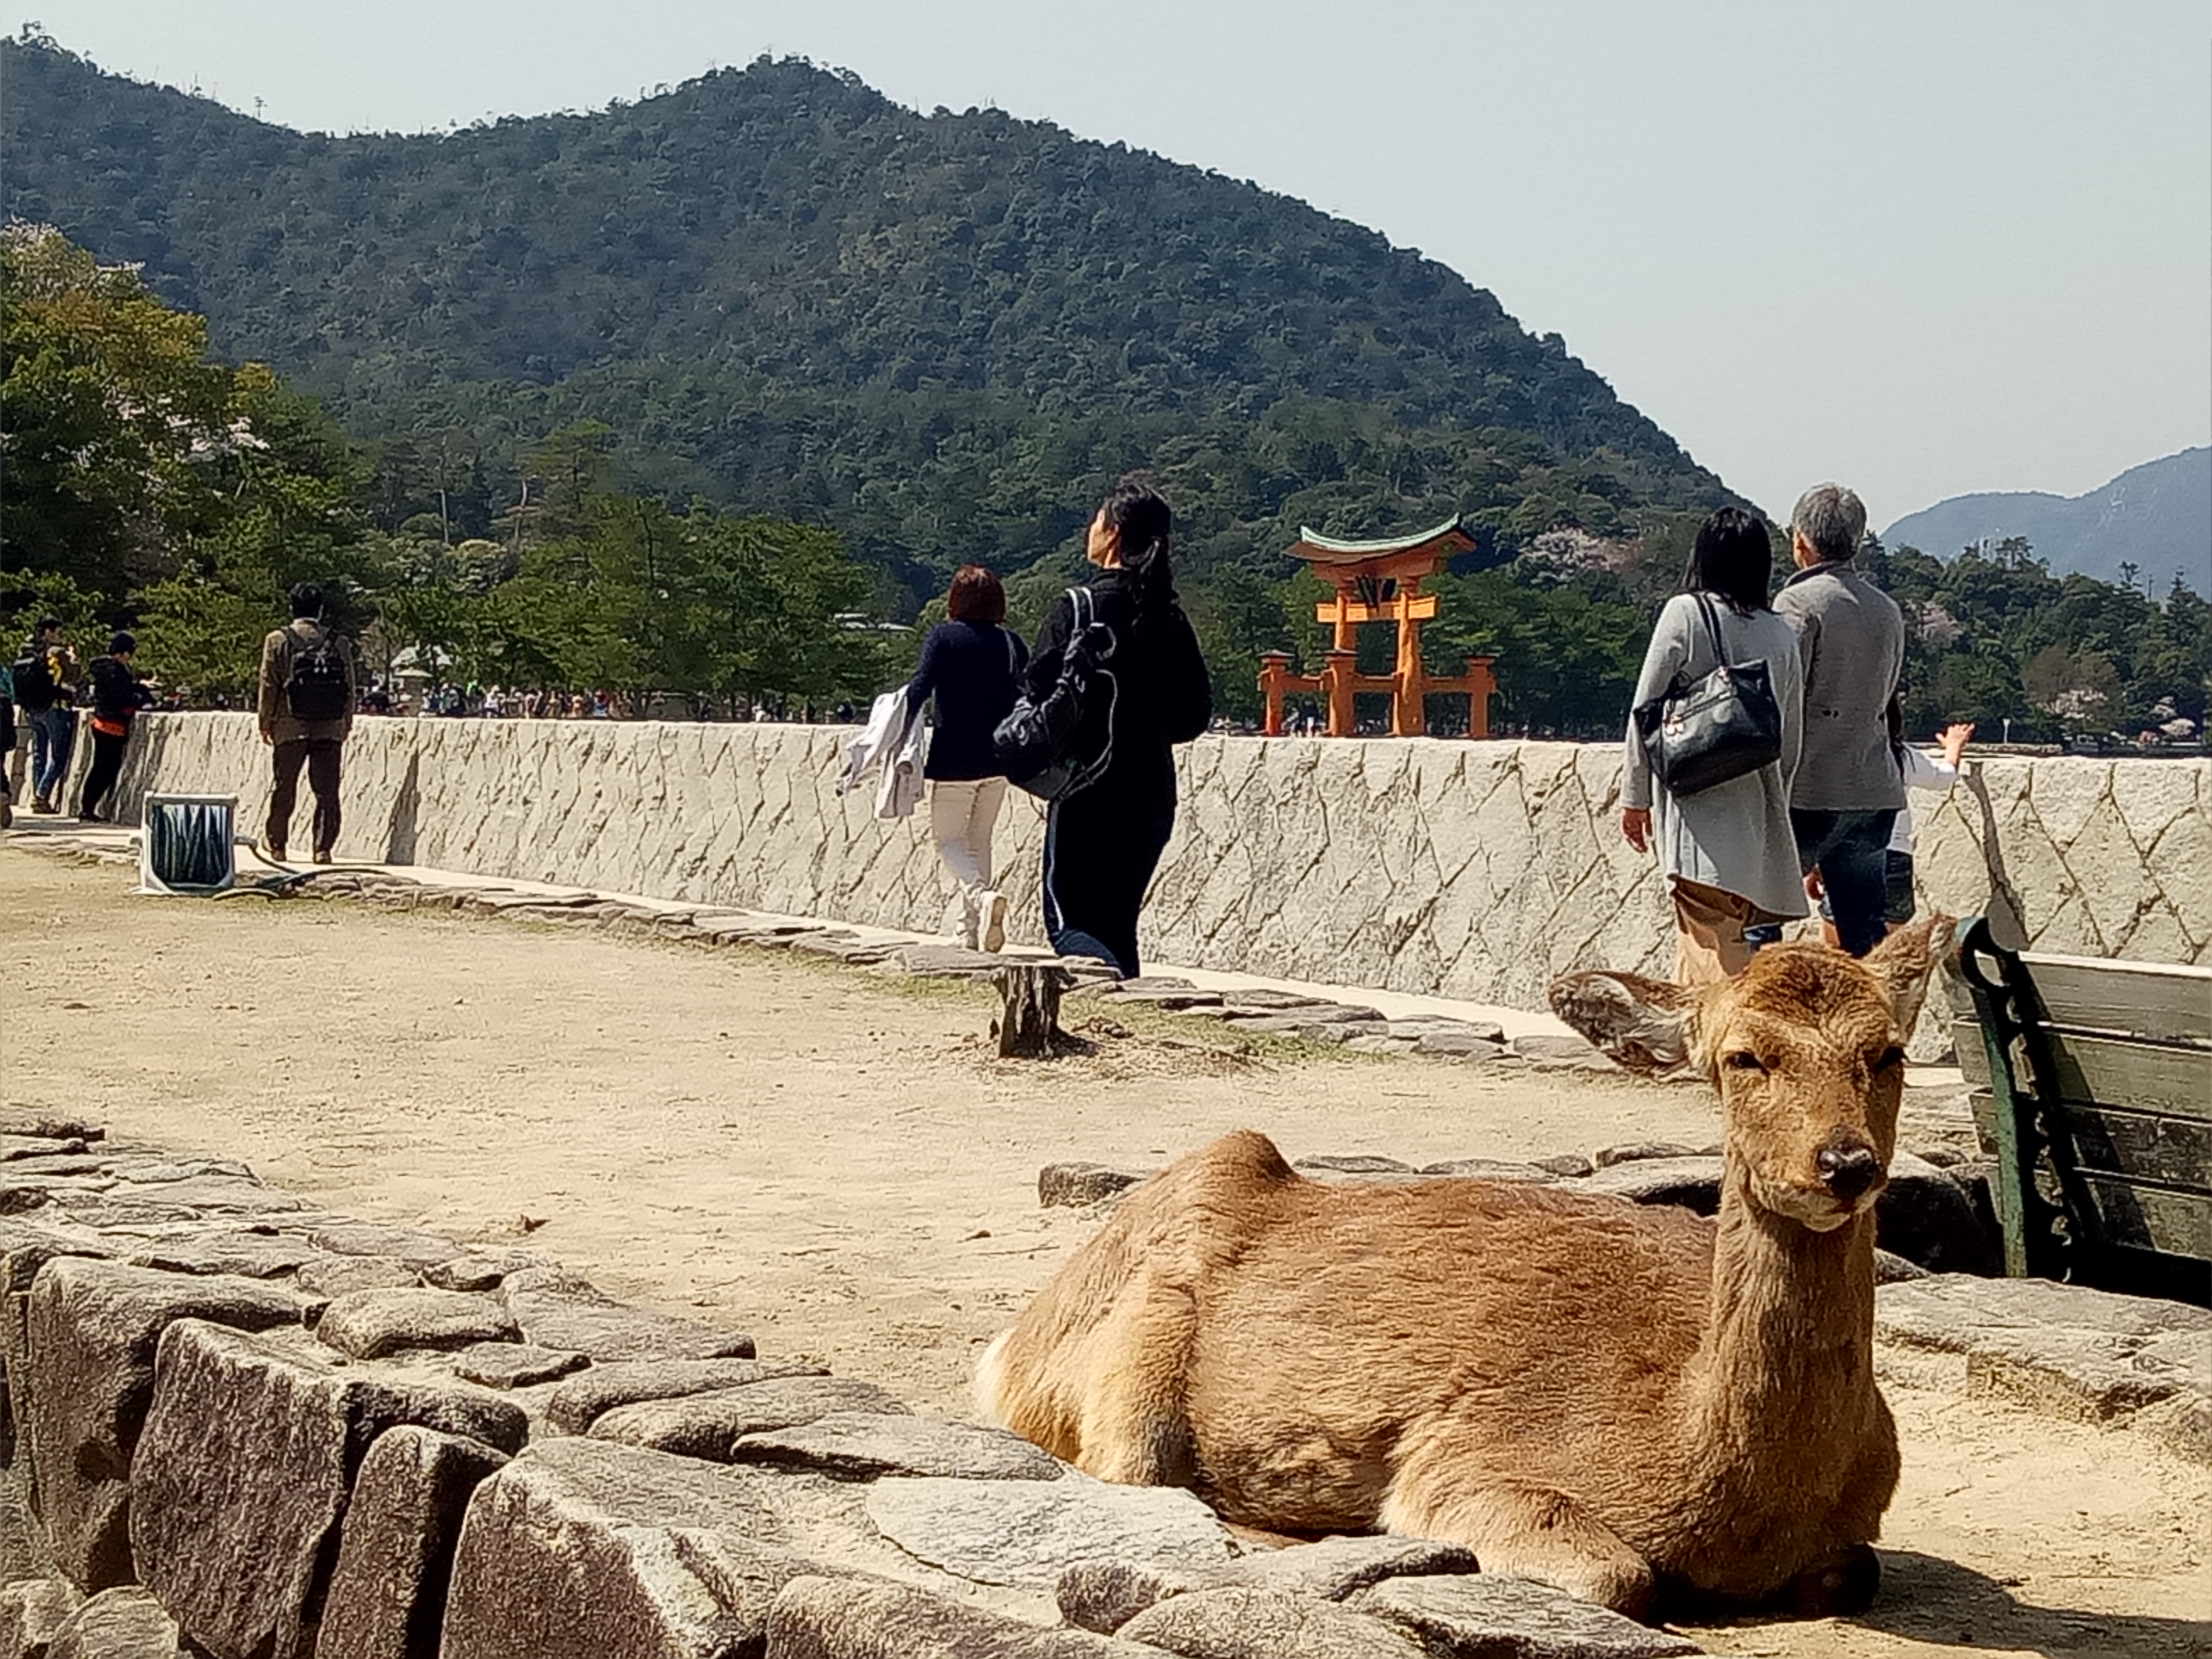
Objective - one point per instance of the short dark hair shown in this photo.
(50, 624)
(123, 644)
(1733, 559)
(307, 600)
(976, 596)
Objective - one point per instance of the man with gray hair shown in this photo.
(1847, 790)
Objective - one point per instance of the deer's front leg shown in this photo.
(1529, 1531)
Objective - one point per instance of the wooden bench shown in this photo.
(2092, 1088)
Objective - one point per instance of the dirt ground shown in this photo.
(837, 1162)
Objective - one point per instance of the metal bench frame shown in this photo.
(2070, 1238)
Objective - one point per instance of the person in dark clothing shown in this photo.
(118, 694)
(1103, 840)
(970, 667)
(301, 734)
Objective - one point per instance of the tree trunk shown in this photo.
(1029, 1027)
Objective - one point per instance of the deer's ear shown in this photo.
(1644, 1024)
(1903, 962)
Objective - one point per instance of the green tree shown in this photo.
(108, 406)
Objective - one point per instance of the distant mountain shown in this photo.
(2157, 517)
(941, 334)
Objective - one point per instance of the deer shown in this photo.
(1649, 1409)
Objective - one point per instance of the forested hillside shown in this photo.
(941, 334)
(690, 396)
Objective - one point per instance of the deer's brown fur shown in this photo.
(1614, 1398)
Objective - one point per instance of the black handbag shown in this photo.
(1722, 725)
(1036, 743)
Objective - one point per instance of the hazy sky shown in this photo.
(1925, 248)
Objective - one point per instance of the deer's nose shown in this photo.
(1848, 1167)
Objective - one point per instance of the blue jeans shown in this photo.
(1851, 852)
(52, 733)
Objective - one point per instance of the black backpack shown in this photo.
(1036, 743)
(34, 681)
(319, 687)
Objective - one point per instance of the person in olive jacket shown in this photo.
(308, 690)
(1103, 840)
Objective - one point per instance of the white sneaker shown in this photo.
(994, 921)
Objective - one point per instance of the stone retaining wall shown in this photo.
(1470, 870)
(236, 1426)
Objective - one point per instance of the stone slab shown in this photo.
(707, 1425)
(1453, 1045)
(31, 1611)
(415, 1246)
(1267, 1624)
(371, 1324)
(1103, 1595)
(556, 1309)
(1363, 1164)
(94, 1329)
(821, 1618)
(1637, 1151)
(1694, 1183)
(582, 1400)
(1489, 1614)
(246, 1467)
(2091, 1355)
(583, 1549)
(482, 1272)
(864, 1445)
(515, 1365)
(1030, 1531)
(387, 1591)
(333, 1276)
(246, 1254)
(125, 1623)
(1488, 1169)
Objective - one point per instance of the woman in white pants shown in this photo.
(971, 664)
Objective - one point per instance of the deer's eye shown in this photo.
(1742, 1060)
(1890, 1058)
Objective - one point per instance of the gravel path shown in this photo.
(838, 1162)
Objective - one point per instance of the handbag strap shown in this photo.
(1713, 628)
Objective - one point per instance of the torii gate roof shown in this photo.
(1439, 541)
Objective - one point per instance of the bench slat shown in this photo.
(2141, 999)
(2174, 1150)
(2109, 1070)
(2155, 1218)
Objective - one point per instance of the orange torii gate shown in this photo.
(1379, 582)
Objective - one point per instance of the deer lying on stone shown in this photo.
(1624, 1401)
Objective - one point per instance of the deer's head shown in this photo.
(1807, 1050)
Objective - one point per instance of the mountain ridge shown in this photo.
(2156, 517)
(939, 332)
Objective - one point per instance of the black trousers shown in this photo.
(1101, 847)
(321, 756)
(106, 767)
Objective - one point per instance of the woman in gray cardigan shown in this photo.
(1728, 851)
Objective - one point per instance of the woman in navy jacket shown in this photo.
(970, 666)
